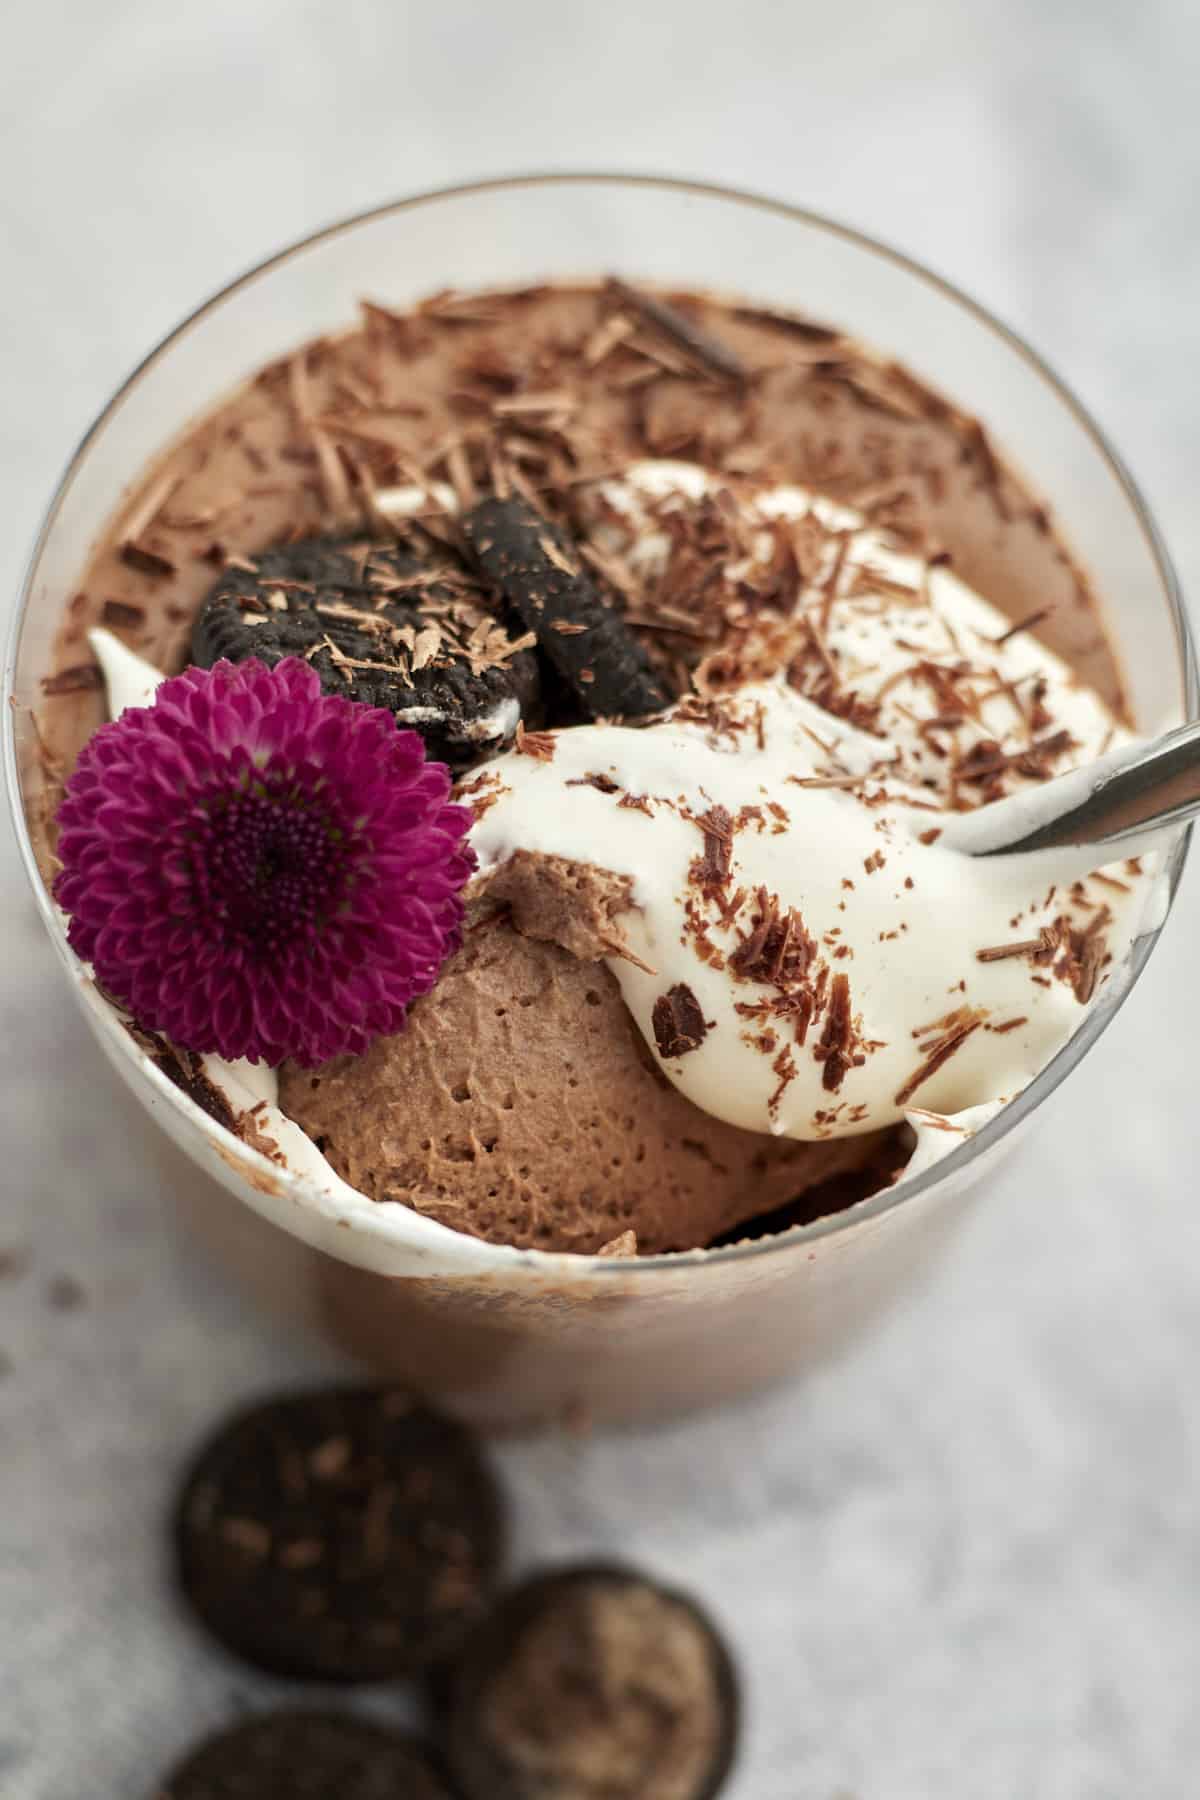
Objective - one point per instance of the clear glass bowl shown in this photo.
(516, 1336)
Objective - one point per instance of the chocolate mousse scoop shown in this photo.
(544, 1118)
(383, 625)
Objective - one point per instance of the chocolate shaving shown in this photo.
(859, 384)
(827, 781)
(978, 449)
(249, 1128)
(1038, 946)
(697, 344)
(831, 583)
(1037, 617)
(146, 561)
(448, 307)
(607, 335)
(1084, 972)
(74, 680)
(538, 744)
(778, 951)
(557, 401)
(987, 759)
(940, 1053)
(122, 615)
(805, 329)
(679, 1024)
(150, 506)
(711, 869)
(784, 1067)
(1083, 954)
(604, 784)
(623, 951)
(835, 1049)
(458, 471)
(482, 792)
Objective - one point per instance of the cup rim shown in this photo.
(1047, 1079)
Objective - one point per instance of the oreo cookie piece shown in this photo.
(593, 1680)
(381, 625)
(307, 1756)
(584, 640)
(345, 1535)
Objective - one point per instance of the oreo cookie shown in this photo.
(593, 1680)
(307, 1756)
(382, 625)
(344, 1535)
(583, 639)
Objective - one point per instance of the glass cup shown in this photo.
(514, 1337)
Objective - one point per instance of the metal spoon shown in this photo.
(1121, 805)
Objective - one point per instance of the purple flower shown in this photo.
(255, 868)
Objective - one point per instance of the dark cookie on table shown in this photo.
(584, 639)
(306, 1756)
(383, 625)
(593, 1680)
(343, 1535)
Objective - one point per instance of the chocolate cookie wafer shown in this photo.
(306, 1756)
(346, 1535)
(596, 1682)
(584, 639)
(383, 625)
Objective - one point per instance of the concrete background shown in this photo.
(965, 1562)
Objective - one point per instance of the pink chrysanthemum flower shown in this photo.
(255, 868)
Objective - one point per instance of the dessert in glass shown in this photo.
(545, 631)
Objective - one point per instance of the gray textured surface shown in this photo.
(965, 1562)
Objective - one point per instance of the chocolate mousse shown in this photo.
(713, 614)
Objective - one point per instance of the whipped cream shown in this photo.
(888, 620)
(892, 923)
(825, 835)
